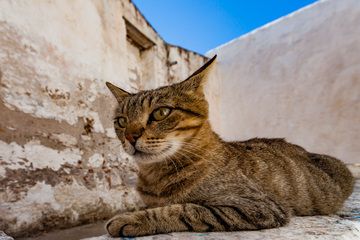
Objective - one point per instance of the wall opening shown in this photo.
(137, 45)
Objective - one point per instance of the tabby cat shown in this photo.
(192, 180)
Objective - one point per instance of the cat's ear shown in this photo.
(198, 79)
(118, 93)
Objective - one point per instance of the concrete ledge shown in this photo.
(344, 225)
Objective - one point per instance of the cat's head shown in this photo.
(156, 124)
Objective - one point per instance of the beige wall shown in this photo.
(60, 162)
(298, 78)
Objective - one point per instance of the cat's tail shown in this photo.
(337, 170)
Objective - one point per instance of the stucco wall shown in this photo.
(60, 162)
(298, 78)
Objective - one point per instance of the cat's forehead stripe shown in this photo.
(142, 99)
(123, 108)
(136, 104)
(132, 106)
(150, 100)
(125, 104)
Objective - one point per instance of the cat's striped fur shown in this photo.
(192, 180)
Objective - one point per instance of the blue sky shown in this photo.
(201, 25)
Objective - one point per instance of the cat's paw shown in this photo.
(124, 225)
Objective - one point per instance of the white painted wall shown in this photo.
(298, 78)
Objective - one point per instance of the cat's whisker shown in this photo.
(171, 156)
(178, 152)
(191, 149)
(168, 157)
(191, 153)
(195, 146)
(183, 155)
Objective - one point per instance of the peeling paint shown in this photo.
(61, 163)
(63, 200)
(35, 156)
(96, 161)
(42, 193)
(65, 139)
(110, 132)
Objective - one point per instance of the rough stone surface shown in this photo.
(3, 236)
(297, 77)
(60, 161)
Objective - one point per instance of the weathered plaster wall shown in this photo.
(60, 162)
(299, 78)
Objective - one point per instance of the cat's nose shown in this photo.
(132, 136)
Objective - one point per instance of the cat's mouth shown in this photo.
(139, 153)
(145, 157)
(150, 156)
(148, 153)
(135, 151)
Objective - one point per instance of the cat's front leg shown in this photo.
(128, 224)
(145, 222)
(172, 218)
(248, 215)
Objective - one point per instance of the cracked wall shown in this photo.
(60, 161)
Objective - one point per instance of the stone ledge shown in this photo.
(344, 225)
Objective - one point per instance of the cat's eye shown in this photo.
(121, 121)
(161, 113)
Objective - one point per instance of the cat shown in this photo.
(192, 180)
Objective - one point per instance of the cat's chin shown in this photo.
(146, 158)
(140, 154)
